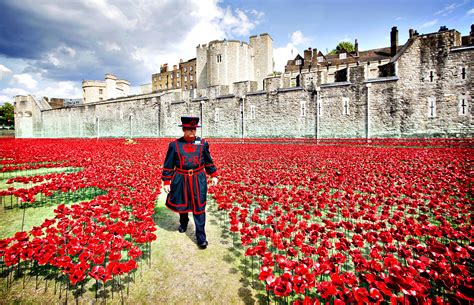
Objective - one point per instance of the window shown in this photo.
(101, 91)
(191, 68)
(431, 107)
(159, 77)
(219, 58)
(101, 99)
(343, 56)
(190, 77)
(177, 74)
(345, 105)
(216, 115)
(185, 78)
(463, 73)
(191, 87)
(171, 75)
(320, 59)
(185, 69)
(303, 108)
(178, 84)
(431, 76)
(185, 87)
(252, 112)
(462, 105)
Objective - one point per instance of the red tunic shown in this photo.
(185, 168)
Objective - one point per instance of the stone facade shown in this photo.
(427, 93)
(224, 62)
(111, 87)
(182, 77)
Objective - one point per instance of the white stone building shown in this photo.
(111, 87)
(224, 62)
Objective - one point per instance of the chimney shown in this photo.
(411, 33)
(443, 28)
(356, 48)
(307, 55)
(315, 52)
(472, 34)
(393, 41)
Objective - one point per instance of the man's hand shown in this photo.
(214, 181)
(166, 188)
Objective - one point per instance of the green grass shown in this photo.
(35, 172)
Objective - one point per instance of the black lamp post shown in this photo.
(299, 62)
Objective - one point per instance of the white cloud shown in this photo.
(130, 39)
(112, 46)
(450, 8)
(4, 71)
(5, 99)
(297, 38)
(257, 14)
(399, 18)
(282, 55)
(470, 12)
(13, 91)
(61, 89)
(429, 23)
(24, 79)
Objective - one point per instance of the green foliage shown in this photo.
(6, 115)
(343, 46)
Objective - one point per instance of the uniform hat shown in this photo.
(189, 122)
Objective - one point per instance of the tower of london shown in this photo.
(420, 88)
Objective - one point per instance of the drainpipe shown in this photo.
(367, 123)
(317, 112)
(97, 119)
(201, 110)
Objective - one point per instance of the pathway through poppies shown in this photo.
(179, 273)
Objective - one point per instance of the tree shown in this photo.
(343, 46)
(6, 115)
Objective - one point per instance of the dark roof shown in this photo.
(351, 57)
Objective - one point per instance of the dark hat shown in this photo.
(189, 122)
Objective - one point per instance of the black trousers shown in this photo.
(199, 221)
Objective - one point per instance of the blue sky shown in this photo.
(48, 47)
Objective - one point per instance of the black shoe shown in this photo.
(203, 245)
(182, 229)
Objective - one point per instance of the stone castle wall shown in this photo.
(429, 68)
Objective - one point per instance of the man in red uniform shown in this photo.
(184, 176)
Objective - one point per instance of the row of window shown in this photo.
(178, 84)
(462, 108)
(178, 74)
(462, 74)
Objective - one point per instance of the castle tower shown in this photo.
(110, 85)
(201, 66)
(262, 46)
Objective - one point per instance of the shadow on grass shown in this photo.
(169, 221)
(252, 291)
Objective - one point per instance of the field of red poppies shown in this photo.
(340, 221)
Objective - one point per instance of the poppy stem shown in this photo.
(121, 290)
(23, 218)
(128, 284)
